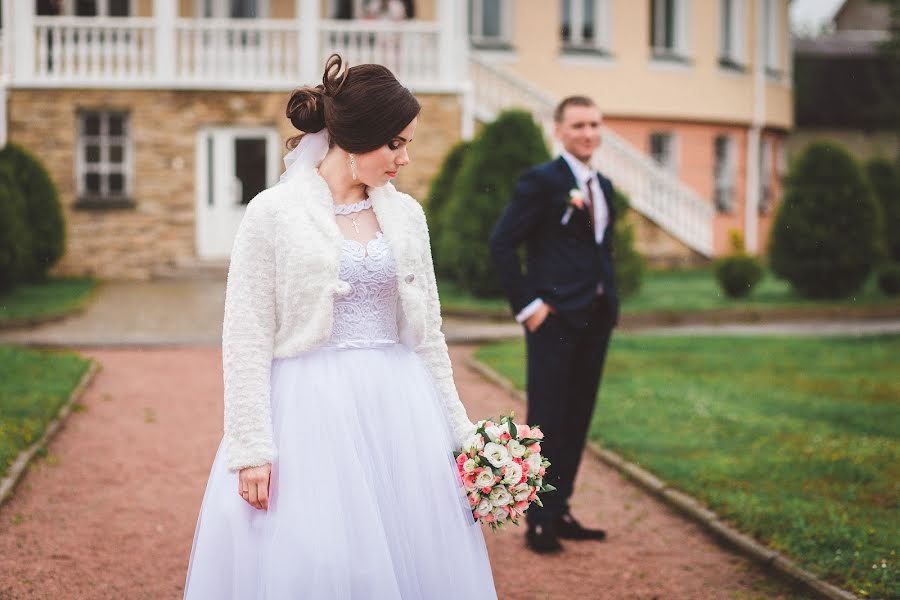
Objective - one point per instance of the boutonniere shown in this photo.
(576, 200)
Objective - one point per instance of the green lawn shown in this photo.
(687, 290)
(50, 298)
(793, 440)
(33, 387)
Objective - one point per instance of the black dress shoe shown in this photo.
(543, 539)
(570, 529)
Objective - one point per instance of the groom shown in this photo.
(562, 212)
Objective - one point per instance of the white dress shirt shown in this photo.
(582, 173)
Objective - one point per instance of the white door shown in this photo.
(233, 165)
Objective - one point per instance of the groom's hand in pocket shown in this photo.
(534, 322)
(253, 486)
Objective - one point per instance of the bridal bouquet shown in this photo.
(502, 470)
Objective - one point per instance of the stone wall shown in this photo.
(158, 233)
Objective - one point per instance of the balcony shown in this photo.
(172, 52)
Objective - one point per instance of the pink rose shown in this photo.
(525, 468)
(486, 489)
(537, 434)
(541, 472)
(535, 448)
(460, 461)
(489, 518)
(469, 480)
(533, 495)
(505, 437)
(474, 499)
(524, 431)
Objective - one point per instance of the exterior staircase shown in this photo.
(653, 192)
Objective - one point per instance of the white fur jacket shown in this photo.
(279, 301)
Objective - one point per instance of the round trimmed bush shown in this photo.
(438, 193)
(885, 180)
(15, 240)
(506, 148)
(628, 262)
(889, 278)
(43, 212)
(825, 237)
(738, 274)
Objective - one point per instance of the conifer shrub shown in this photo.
(505, 148)
(825, 239)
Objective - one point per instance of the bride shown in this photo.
(335, 476)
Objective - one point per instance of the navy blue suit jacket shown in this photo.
(564, 263)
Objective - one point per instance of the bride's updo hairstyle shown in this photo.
(363, 107)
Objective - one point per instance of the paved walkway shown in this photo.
(110, 512)
(189, 312)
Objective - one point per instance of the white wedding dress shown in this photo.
(365, 500)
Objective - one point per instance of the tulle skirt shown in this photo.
(365, 500)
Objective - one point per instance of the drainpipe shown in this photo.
(751, 197)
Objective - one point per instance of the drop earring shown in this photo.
(352, 166)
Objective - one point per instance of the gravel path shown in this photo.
(110, 511)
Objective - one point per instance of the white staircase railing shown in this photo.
(653, 191)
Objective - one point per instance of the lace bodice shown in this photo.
(368, 314)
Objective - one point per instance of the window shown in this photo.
(585, 25)
(662, 150)
(103, 158)
(732, 26)
(489, 23)
(765, 176)
(84, 8)
(232, 9)
(668, 29)
(723, 173)
(772, 37)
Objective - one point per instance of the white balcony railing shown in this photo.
(653, 191)
(77, 50)
(410, 51)
(220, 53)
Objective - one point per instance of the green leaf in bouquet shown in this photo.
(513, 430)
(548, 488)
(537, 500)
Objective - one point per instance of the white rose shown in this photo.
(534, 463)
(500, 496)
(493, 433)
(470, 465)
(484, 479)
(496, 454)
(522, 495)
(504, 427)
(473, 442)
(513, 473)
(516, 449)
(484, 508)
(500, 514)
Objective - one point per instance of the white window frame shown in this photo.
(576, 42)
(766, 171)
(104, 167)
(221, 9)
(724, 174)
(671, 150)
(772, 37)
(733, 54)
(680, 49)
(476, 27)
(67, 8)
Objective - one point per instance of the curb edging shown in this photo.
(20, 464)
(690, 507)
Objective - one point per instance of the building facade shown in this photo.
(160, 119)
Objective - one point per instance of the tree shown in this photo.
(43, 212)
(825, 236)
(438, 193)
(14, 235)
(885, 181)
(504, 150)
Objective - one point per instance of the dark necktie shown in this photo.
(590, 202)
